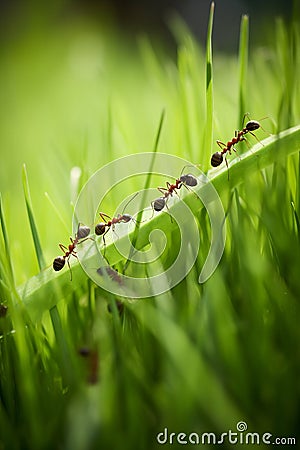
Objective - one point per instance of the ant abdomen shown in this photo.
(216, 159)
(159, 204)
(83, 232)
(189, 180)
(252, 125)
(58, 263)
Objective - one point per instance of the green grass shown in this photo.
(199, 357)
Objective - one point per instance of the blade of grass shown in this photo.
(146, 187)
(57, 212)
(6, 243)
(209, 82)
(64, 354)
(243, 66)
(40, 257)
(297, 221)
(276, 147)
(178, 347)
(33, 227)
(285, 43)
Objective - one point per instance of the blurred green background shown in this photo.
(64, 103)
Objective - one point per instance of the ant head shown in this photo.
(159, 204)
(58, 263)
(216, 159)
(83, 232)
(100, 228)
(189, 180)
(252, 125)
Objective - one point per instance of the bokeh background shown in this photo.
(135, 16)
(60, 76)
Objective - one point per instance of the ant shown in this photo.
(251, 125)
(92, 361)
(184, 180)
(59, 261)
(103, 227)
(113, 274)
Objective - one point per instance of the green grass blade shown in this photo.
(5, 239)
(168, 333)
(33, 227)
(243, 66)
(297, 220)
(274, 148)
(146, 186)
(209, 82)
(57, 212)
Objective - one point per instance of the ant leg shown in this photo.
(221, 144)
(85, 239)
(162, 190)
(68, 261)
(62, 247)
(235, 151)
(153, 210)
(104, 243)
(175, 191)
(227, 168)
(104, 216)
(171, 218)
(113, 228)
(256, 138)
(244, 117)
(138, 222)
(247, 142)
(191, 190)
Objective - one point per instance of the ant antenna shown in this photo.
(189, 165)
(129, 201)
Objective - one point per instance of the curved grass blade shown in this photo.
(209, 82)
(33, 227)
(275, 148)
(6, 243)
(243, 67)
(146, 186)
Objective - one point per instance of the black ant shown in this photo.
(217, 158)
(59, 261)
(103, 227)
(92, 360)
(113, 274)
(184, 180)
